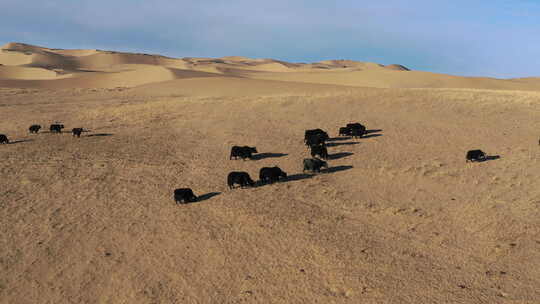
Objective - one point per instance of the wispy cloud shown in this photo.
(496, 38)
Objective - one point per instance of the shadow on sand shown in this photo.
(488, 158)
(348, 143)
(339, 155)
(19, 141)
(336, 169)
(267, 155)
(372, 135)
(207, 196)
(373, 131)
(339, 138)
(99, 135)
(297, 177)
(49, 132)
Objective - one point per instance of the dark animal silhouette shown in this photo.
(184, 195)
(344, 131)
(270, 175)
(56, 128)
(34, 128)
(4, 139)
(315, 140)
(475, 155)
(315, 132)
(242, 152)
(314, 164)
(356, 129)
(77, 131)
(357, 133)
(356, 125)
(319, 150)
(240, 178)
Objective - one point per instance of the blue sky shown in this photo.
(495, 38)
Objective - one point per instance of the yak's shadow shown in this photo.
(371, 135)
(372, 131)
(19, 141)
(289, 178)
(207, 196)
(339, 138)
(99, 135)
(336, 169)
(298, 176)
(260, 156)
(348, 143)
(488, 158)
(50, 132)
(339, 155)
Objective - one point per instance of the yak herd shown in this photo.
(54, 128)
(315, 140)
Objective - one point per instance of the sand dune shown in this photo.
(383, 78)
(396, 67)
(26, 73)
(120, 76)
(78, 64)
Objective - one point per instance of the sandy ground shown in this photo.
(399, 217)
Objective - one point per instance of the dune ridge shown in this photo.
(55, 65)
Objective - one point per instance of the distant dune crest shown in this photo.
(25, 65)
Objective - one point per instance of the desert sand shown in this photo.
(399, 217)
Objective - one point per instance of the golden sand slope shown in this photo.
(386, 78)
(93, 68)
(399, 218)
(26, 73)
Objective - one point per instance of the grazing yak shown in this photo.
(356, 129)
(475, 155)
(3, 139)
(241, 178)
(314, 164)
(34, 128)
(315, 133)
(242, 152)
(56, 128)
(344, 131)
(77, 131)
(315, 140)
(357, 133)
(184, 195)
(270, 175)
(319, 150)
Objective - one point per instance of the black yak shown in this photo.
(241, 178)
(242, 152)
(270, 175)
(314, 164)
(184, 195)
(34, 128)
